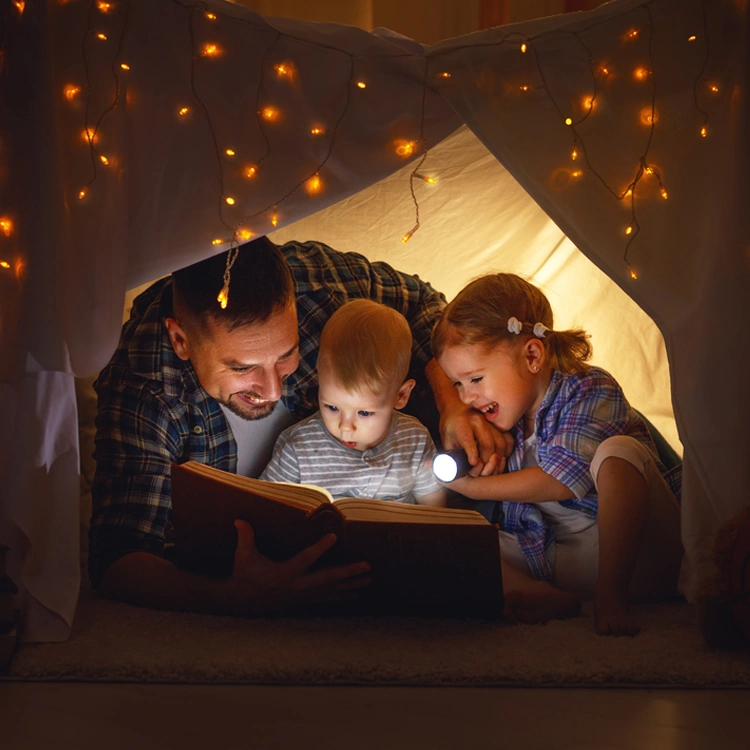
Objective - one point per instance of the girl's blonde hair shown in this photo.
(480, 312)
(366, 344)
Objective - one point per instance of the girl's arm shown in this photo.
(531, 485)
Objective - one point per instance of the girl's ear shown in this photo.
(535, 355)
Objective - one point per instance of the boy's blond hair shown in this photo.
(366, 345)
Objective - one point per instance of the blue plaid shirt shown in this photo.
(577, 414)
(152, 410)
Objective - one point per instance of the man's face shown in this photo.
(243, 369)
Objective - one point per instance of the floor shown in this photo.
(88, 716)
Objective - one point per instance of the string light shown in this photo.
(574, 154)
(270, 113)
(648, 116)
(692, 38)
(101, 36)
(523, 47)
(444, 74)
(568, 121)
(664, 193)
(629, 229)
(104, 160)
(229, 151)
(314, 185)
(6, 225)
(525, 88)
(71, 92)
(631, 34)
(182, 111)
(588, 102)
(90, 136)
(404, 148)
(20, 5)
(577, 173)
(633, 274)
(361, 85)
(217, 241)
(713, 87)
(103, 6)
(641, 74)
(82, 193)
(211, 50)
(4, 264)
(409, 234)
(426, 178)
(229, 200)
(274, 218)
(125, 66)
(286, 70)
(223, 298)
(250, 171)
(605, 71)
(316, 131)
(704, 131)
(244, 233)
(210, 16)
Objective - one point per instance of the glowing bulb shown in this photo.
(426, 178)
(317, 131)
(223, 298)
(211, 16)
(632, 34)
(629, 230)
(633, 274)
(20, 4)
(577, 173)
(104, 160)
(4, 264)
(82, 193)
(692, 38)
(444, 74)
(229, 152)
(71, 92)
(101, 36)
(649, 170)
(574, 154)
(250, 172)
(182, 111)
(568, 121)
(286, 70)
(89, 136)
(361, 85)
(314, 185)
(525, 88)
(605, 70)
(125, 66)
(217, 241)
(649, 116)
(404, 148)
(588, 102)
(6, 226)
(211, 49)
(244, 234)
(704, 131)
(410, 234)
(270, 113)
(713, 87)
(664, 193)
(641, 74)
(229, 200)
(523, 47)
(275, 219)
(628, 192)
(103, 6)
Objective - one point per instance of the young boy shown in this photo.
(357, 444)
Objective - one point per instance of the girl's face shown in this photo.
(503, 381)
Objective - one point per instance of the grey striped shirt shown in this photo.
(398, 468)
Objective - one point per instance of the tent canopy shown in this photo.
(621, 133)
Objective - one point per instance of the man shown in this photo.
(191, 380)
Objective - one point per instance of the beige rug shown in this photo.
(118, 642)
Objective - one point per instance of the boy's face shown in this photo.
(359, 419)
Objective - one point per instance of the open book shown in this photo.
(425, 560)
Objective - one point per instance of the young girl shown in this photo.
(587, 510)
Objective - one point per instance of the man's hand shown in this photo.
(259, 585)
(487, 448)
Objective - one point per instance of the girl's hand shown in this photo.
(463, 427)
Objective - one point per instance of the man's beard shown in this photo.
(248, 411)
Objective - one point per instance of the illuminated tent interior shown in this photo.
(604, 155)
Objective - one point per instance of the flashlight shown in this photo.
(451, 465)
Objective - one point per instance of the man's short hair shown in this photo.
(366, 345)
(260, 286)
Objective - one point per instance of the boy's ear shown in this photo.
(178, 337)
(404, 392)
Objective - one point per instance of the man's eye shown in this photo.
(363, 413)
(240, 369)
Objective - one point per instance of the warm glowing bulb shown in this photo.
(211, 16)
(361, 84)
(6, 226)
(633, 274)
(404, 148)
(125, 66)
(217, 241)
(429, 180)
(444, 74)
(103, 6)
(71, 92)
(182, 111)
(270, 113)
(244, 234)
(229, 200)
(104, 160)
(704, 131)
(577, 173)
(223, 298)
(523, 47)
(89, 136)
(82, 193)
(409, 234)
(649, 116)
(101, 36)
(250, 172)
(4, 264)
(664, 193)
(574, 154)
(314, 185)
(285, 70)
(628, 192)
(568, 121)
(211, 49)
(275, 219)
(641, 74)
(316, 131)
(713, 87)
(605, 70)
(649, 170)
(632, 34)
(229, 152)
(692, 38)
(525, 88)
(629, 230)
(588, 102)
(20, 4)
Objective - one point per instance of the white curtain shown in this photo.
(160, 201)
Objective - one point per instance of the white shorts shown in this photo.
(575, 557)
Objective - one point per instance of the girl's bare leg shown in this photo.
(530, 601)
(623, 509)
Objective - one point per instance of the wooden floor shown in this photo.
(86, 716)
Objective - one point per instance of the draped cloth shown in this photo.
(184, 125)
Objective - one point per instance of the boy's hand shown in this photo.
(259, 585)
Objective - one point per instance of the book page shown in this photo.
(356, 509)
(307, 496)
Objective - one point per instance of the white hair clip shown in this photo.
(515, 325)
(540, 329)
